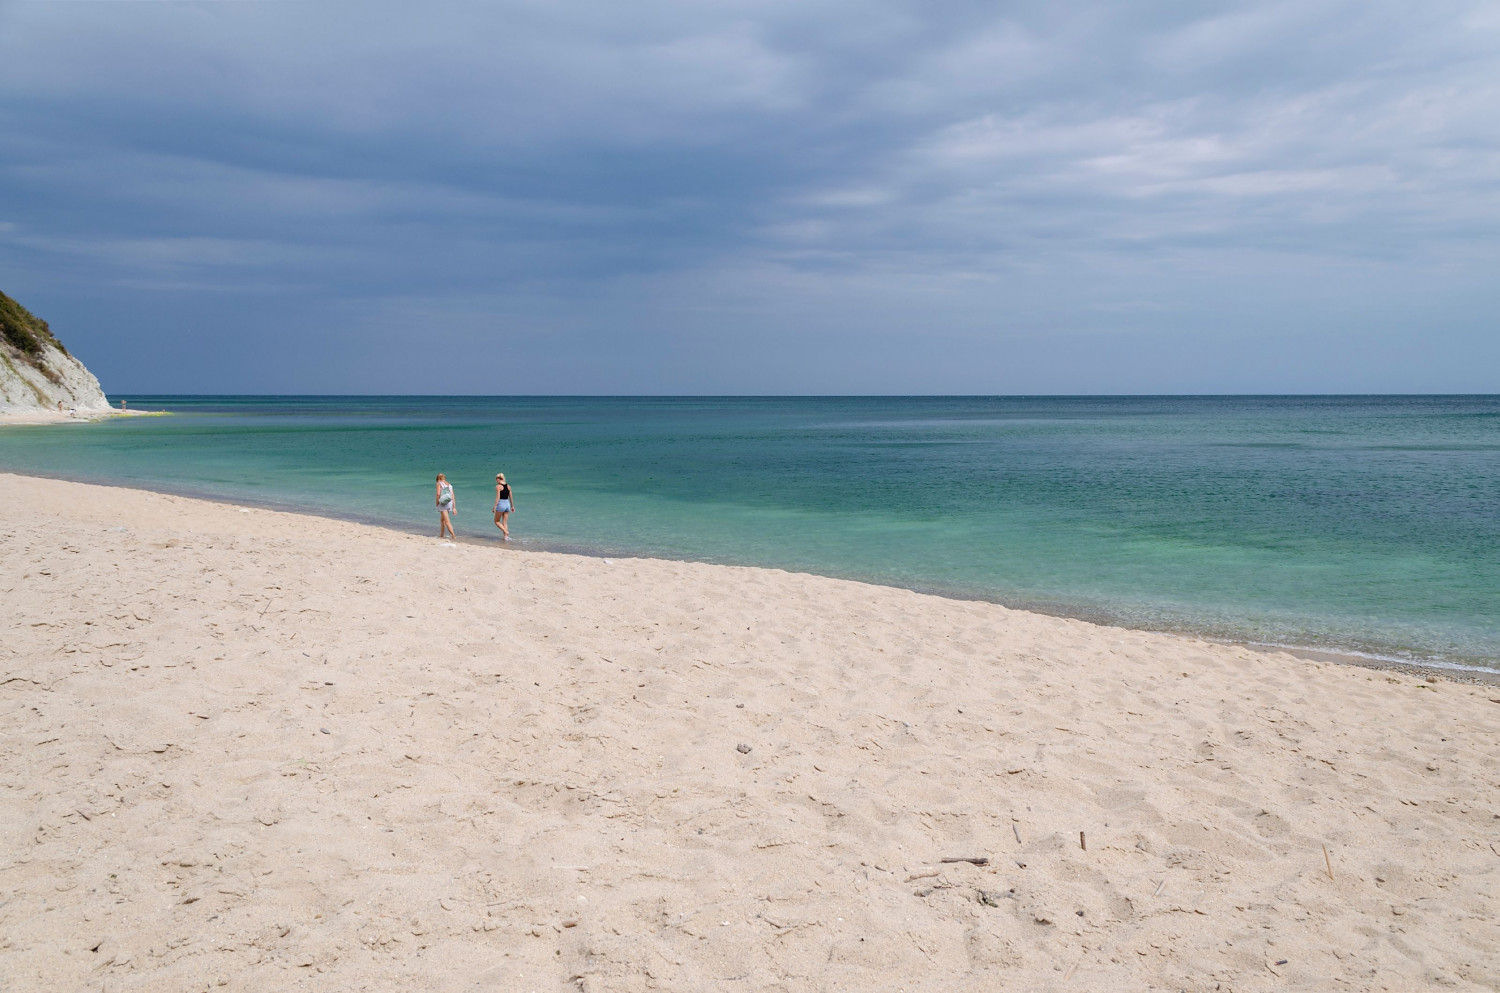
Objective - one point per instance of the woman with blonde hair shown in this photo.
(447, 505)
(505, 502)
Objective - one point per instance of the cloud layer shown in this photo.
(760, 197)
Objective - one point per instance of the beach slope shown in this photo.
(250, 750)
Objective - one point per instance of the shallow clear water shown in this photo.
(1366, 524)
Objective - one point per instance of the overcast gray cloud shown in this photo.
(766, 197)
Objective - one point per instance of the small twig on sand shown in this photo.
(1158, 887)
(1071, 969)
(1081, 843)
(922, 875)
(1328, 862)
(973, 859)
(1017, 832)
(784, 928)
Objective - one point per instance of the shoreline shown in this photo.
(245, 746)
(35, 418)
(1456, 672)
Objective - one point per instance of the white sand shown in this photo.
(17, 418)
(258, 751)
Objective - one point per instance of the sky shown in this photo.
(771, 197)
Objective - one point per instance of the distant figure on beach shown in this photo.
(447, 505)
(505, 502)
(59, 406)
(124, 404)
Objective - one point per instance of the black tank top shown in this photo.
(505, 491)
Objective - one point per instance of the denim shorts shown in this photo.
(502, 506)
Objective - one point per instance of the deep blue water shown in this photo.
(1367, 524)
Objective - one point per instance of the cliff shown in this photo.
(36, 371)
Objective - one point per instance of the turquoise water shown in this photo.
(1368, 524)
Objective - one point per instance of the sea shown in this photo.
(1362, 525)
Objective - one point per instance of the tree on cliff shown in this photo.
(26, 336)
(24, 331)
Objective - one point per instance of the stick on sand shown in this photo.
(1328, 862)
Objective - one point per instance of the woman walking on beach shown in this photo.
(447, 505)
(505, 502)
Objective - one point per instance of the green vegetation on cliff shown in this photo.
(25, 332)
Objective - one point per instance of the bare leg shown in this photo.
(504, 523)
(448, 526)
(498, 523)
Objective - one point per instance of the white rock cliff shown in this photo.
(36, 372)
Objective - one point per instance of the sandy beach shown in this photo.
(28, 418)
(251, 750)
